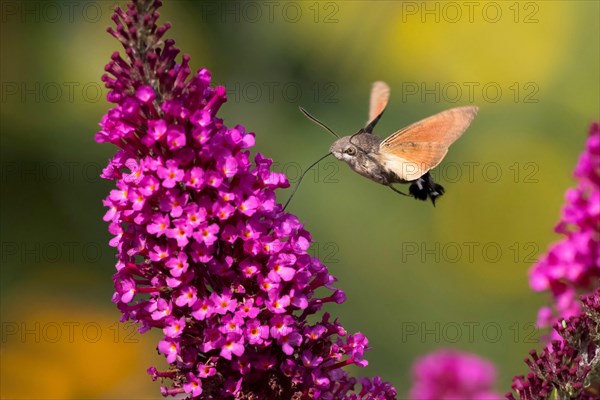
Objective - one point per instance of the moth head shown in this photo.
(344, 150)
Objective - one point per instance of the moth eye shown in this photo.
(350, 151)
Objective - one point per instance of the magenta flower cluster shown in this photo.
(572, 266)
(567, 368)
(449, 375)
(205, 252)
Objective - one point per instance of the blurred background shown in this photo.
(417, 278)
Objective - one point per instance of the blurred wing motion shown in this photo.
(380, 94)
(414, 150)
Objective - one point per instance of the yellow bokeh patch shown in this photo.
(53, 348)
(500, 42)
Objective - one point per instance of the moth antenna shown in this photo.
(316, 121)
(302, 176)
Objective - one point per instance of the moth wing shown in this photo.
(380, 95)
(416, 149)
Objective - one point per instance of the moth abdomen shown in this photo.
(425, 188)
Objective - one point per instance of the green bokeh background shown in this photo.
(408, 289)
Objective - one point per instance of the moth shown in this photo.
(407, 155)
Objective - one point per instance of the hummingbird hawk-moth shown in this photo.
(407, 155)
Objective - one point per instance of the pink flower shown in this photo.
(281, 267)
(203, 309)
(248, 207)
(194, 178)
(187, 296)
(289, 342)
(169, 348)
(178, 265)
(206, 233)
(448, 375)
(233, 344)
(193, 385)
(156, 130)
(174, 327)
(159, 225)
(170, 174)
(276, 303)
(206, 370)
(175, 139)
(256, 332)
(571, 266)
(181, 232)
(145, 94)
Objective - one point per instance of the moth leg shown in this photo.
(397, 191)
